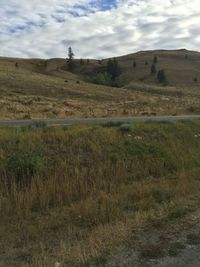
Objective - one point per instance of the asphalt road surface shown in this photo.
(54, 122)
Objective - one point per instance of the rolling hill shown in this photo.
(181, 67)
(37, 88)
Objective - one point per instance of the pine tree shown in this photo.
(116, 69)
(70, 61)
(153, 69)
(113, 68)
(110, 67)
(81, 62)
(161, 76)
(155, 60)
(134, 64)
(45, 64)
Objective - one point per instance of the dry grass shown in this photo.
(179, 70)
(73, 195)
(35, 91)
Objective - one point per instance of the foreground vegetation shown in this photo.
(72, 195)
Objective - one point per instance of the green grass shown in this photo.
(74, 194)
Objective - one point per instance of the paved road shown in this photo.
(53, 122)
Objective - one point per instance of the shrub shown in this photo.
(178, 212)
(155, 60)
(102, 79)
(161, 77)
(39, 124)
(112, 124)
(153, 69)
(25, 165)
(125, 127)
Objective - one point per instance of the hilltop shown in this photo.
(38, 88)
(181, 67)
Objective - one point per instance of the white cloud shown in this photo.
(31, 28)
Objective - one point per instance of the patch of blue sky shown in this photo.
(93, 6)
(24, 27)
(103, 5)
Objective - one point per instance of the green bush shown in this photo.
(112, 124)
(102, 79)
(125, 127)
(25, 165)
(39, 124)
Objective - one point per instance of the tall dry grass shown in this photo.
(73, 194)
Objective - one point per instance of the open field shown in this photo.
(38, 89)
(78, 195)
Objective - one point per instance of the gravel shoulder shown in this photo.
(175, 245)
(189, 257)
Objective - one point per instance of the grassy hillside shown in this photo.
(38, 88)
(181, 67)
(72, 195)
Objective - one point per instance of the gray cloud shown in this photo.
(31, 28)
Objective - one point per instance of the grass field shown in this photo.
(39, 88)
(73, 195)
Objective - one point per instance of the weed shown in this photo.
(153, 252)
(161, 196)
(175, 249)
(177, 213)
(193, 239)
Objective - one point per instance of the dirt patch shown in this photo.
(177, 244)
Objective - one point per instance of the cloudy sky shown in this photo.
(96, 28)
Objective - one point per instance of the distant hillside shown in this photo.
(181, 67)
(38, 88)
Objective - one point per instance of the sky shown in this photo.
(96, 28)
